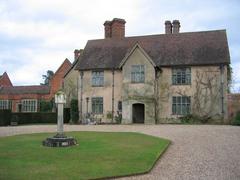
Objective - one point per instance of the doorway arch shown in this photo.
(138, 113)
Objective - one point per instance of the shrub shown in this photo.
(191, 119)
(109, 115)
(5, 117)
(118, 119)
(236, 120)
(46, 106)
(74, 110)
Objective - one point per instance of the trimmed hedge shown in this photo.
(66, 115)
(5, 117)
(37, 117)
(74, 110)
(236, 120)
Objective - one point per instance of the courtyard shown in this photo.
(196, 151)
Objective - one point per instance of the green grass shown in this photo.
(98, 155)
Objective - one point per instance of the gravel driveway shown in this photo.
(197, 151)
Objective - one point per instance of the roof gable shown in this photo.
(5, 80)
(136, 46)
(65, 66)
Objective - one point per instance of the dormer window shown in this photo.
(97, 78)
(137, 74)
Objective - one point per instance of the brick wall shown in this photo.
(4, 80)
(233, 105)
(56, 82)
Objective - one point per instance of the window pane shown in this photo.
(29, 105)
(97, 105)
(97, 78)
(137, 73)
(5, 104)
(181, 105)
(181, 76)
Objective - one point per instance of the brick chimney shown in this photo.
(115, 28)
(176, 26)
(168, 27)
(108, 29)
(76, 54)
(118, 28)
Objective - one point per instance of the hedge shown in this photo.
(37, 117)
(5, 117)
(236, 120)
(74, 110)
(46, 106)
(66, 115)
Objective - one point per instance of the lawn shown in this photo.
(98, 155)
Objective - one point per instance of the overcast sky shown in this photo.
(37, 35)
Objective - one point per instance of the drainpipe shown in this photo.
(87, 100)
(157, 75)
(222, 87)
(112, 95)
(81, 94)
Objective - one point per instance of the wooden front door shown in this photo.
(138, 113)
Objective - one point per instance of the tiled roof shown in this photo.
(193, 48)
(39, 89)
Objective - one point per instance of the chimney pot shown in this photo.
(108, 29)
(168, 27)
(176, 26)
(76, 54)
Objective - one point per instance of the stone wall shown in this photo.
(204, 90)
(105, 92)
(142, 93)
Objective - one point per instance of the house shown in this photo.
(28, 98)
(154, 78)
(71, 78)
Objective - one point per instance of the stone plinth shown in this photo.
(59, 141)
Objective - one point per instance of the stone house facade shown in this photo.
(155, 78)
(27, 98)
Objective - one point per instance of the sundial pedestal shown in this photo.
(60, 139)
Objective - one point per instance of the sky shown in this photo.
(37, 35)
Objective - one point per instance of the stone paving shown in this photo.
(205, 152)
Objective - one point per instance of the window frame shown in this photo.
(97, 105)
(181, 76)
(97, 78)
(29, 106)
(138, 73)
(5, 104)
(181, 105)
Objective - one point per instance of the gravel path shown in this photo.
(205, 152)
